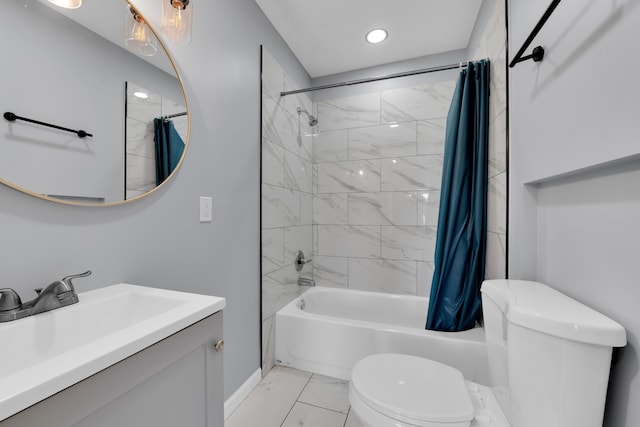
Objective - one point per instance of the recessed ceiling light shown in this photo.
(140, 95)
(377, 36)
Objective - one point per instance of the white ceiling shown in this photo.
(327, 36)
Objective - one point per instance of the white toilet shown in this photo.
(549, 358)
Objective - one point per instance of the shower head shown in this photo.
(313, 121)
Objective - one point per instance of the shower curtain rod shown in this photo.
(171, 116)
(376, 79)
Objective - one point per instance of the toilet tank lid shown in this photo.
(541, 308)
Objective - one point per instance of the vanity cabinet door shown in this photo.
(174, 382)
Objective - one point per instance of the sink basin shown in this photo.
(49, 352)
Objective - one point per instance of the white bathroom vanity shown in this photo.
(125, 355)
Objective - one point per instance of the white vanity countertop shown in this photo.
(51, 351)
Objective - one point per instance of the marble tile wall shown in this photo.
(377, 162)
(140, 146)
(377, 166)
(492, 46)
(287, 208)
(360, 193)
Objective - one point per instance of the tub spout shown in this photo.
(306, 282)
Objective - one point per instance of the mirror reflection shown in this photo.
(155, 134)
(62, 73)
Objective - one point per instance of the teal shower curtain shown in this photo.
(455, 303)
(169, 148)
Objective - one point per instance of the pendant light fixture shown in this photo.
(138, 37)
(68, 4)
(176, 20)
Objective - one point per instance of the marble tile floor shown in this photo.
(291, 398)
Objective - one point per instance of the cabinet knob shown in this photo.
(219, 345)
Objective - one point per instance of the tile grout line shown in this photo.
(296, 401)
(322, 407)
(347, 419)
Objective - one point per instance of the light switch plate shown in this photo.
(206, 209)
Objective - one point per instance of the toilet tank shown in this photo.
(549, 355)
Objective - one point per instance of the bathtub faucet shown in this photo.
(300, 260)
(306, 282)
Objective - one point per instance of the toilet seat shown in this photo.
(412, 390)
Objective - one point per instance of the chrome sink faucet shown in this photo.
(58, 294)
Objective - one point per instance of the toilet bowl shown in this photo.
(543, 348)
(399, 390)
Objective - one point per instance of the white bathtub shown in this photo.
(327, 330)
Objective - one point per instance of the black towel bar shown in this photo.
(12, 118)
(538, 51)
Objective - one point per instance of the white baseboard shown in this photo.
(232, 403)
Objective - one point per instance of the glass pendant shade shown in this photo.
(176, 20)
(68, 4)
(138, 37)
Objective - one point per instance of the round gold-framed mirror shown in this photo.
(78, 70)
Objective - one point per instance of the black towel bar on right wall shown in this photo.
(538, 52)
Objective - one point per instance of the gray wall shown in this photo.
(158, 241)
(574, 150)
